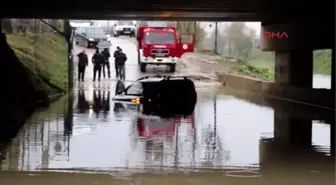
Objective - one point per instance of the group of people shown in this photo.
(100, 61)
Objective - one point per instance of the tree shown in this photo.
(54, 23)
(235, 40)
(191, 27)
(7, 25)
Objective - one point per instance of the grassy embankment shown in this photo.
(261, 64)
(45, 56)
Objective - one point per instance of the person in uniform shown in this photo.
(106, 54)
(97, 60)
(82, 63)
(115, 55)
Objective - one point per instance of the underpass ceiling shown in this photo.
(221, 10)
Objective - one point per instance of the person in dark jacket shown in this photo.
(97, 60)
(120, 60)
(82, 63)
(115, 55)
(107, 56)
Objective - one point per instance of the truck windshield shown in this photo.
(159, 38)
(125, 23)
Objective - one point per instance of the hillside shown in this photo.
(45, 55)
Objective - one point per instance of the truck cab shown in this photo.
(162, 46)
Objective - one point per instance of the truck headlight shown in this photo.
(119, 28)
(91, 39)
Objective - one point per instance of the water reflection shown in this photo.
(83, 105)
(224, 133)
(101, 102)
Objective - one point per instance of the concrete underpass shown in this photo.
(247, 131)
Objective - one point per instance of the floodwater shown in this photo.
(321, 81)
(87, 139)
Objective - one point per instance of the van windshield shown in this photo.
(159, 38)
(94, 31)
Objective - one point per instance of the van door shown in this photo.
(186, 43)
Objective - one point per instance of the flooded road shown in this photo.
(94, 141)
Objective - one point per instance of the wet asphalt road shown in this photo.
(95, 137)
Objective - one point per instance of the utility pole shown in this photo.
(216, 35)
(195, 29)
(178, 26)
(178, 31)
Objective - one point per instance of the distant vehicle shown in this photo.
(89, 37)
(159, 95)
(124, 28)
(162, 46)
(80, 24)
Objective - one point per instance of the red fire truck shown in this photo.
(162, 46)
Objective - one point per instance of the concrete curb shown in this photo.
(314, 97)
(55, 97)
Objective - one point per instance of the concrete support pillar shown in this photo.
(68, 32)
(333, 70)
(294, 68)
(292, 131)
(333, 88)
(267, 152)
(332, 138)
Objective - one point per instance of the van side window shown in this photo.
(135, 89)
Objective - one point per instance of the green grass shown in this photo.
(260, 69)
(322, 60)
(261, 59)
(45, 54)
(262, 73)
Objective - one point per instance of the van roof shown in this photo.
(159, 78)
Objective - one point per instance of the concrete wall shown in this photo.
(322, 97)
(20, 94)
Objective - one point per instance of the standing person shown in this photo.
(115, 55)
(97, 60)
(82, 63)
(121, 60)
(107, 56)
